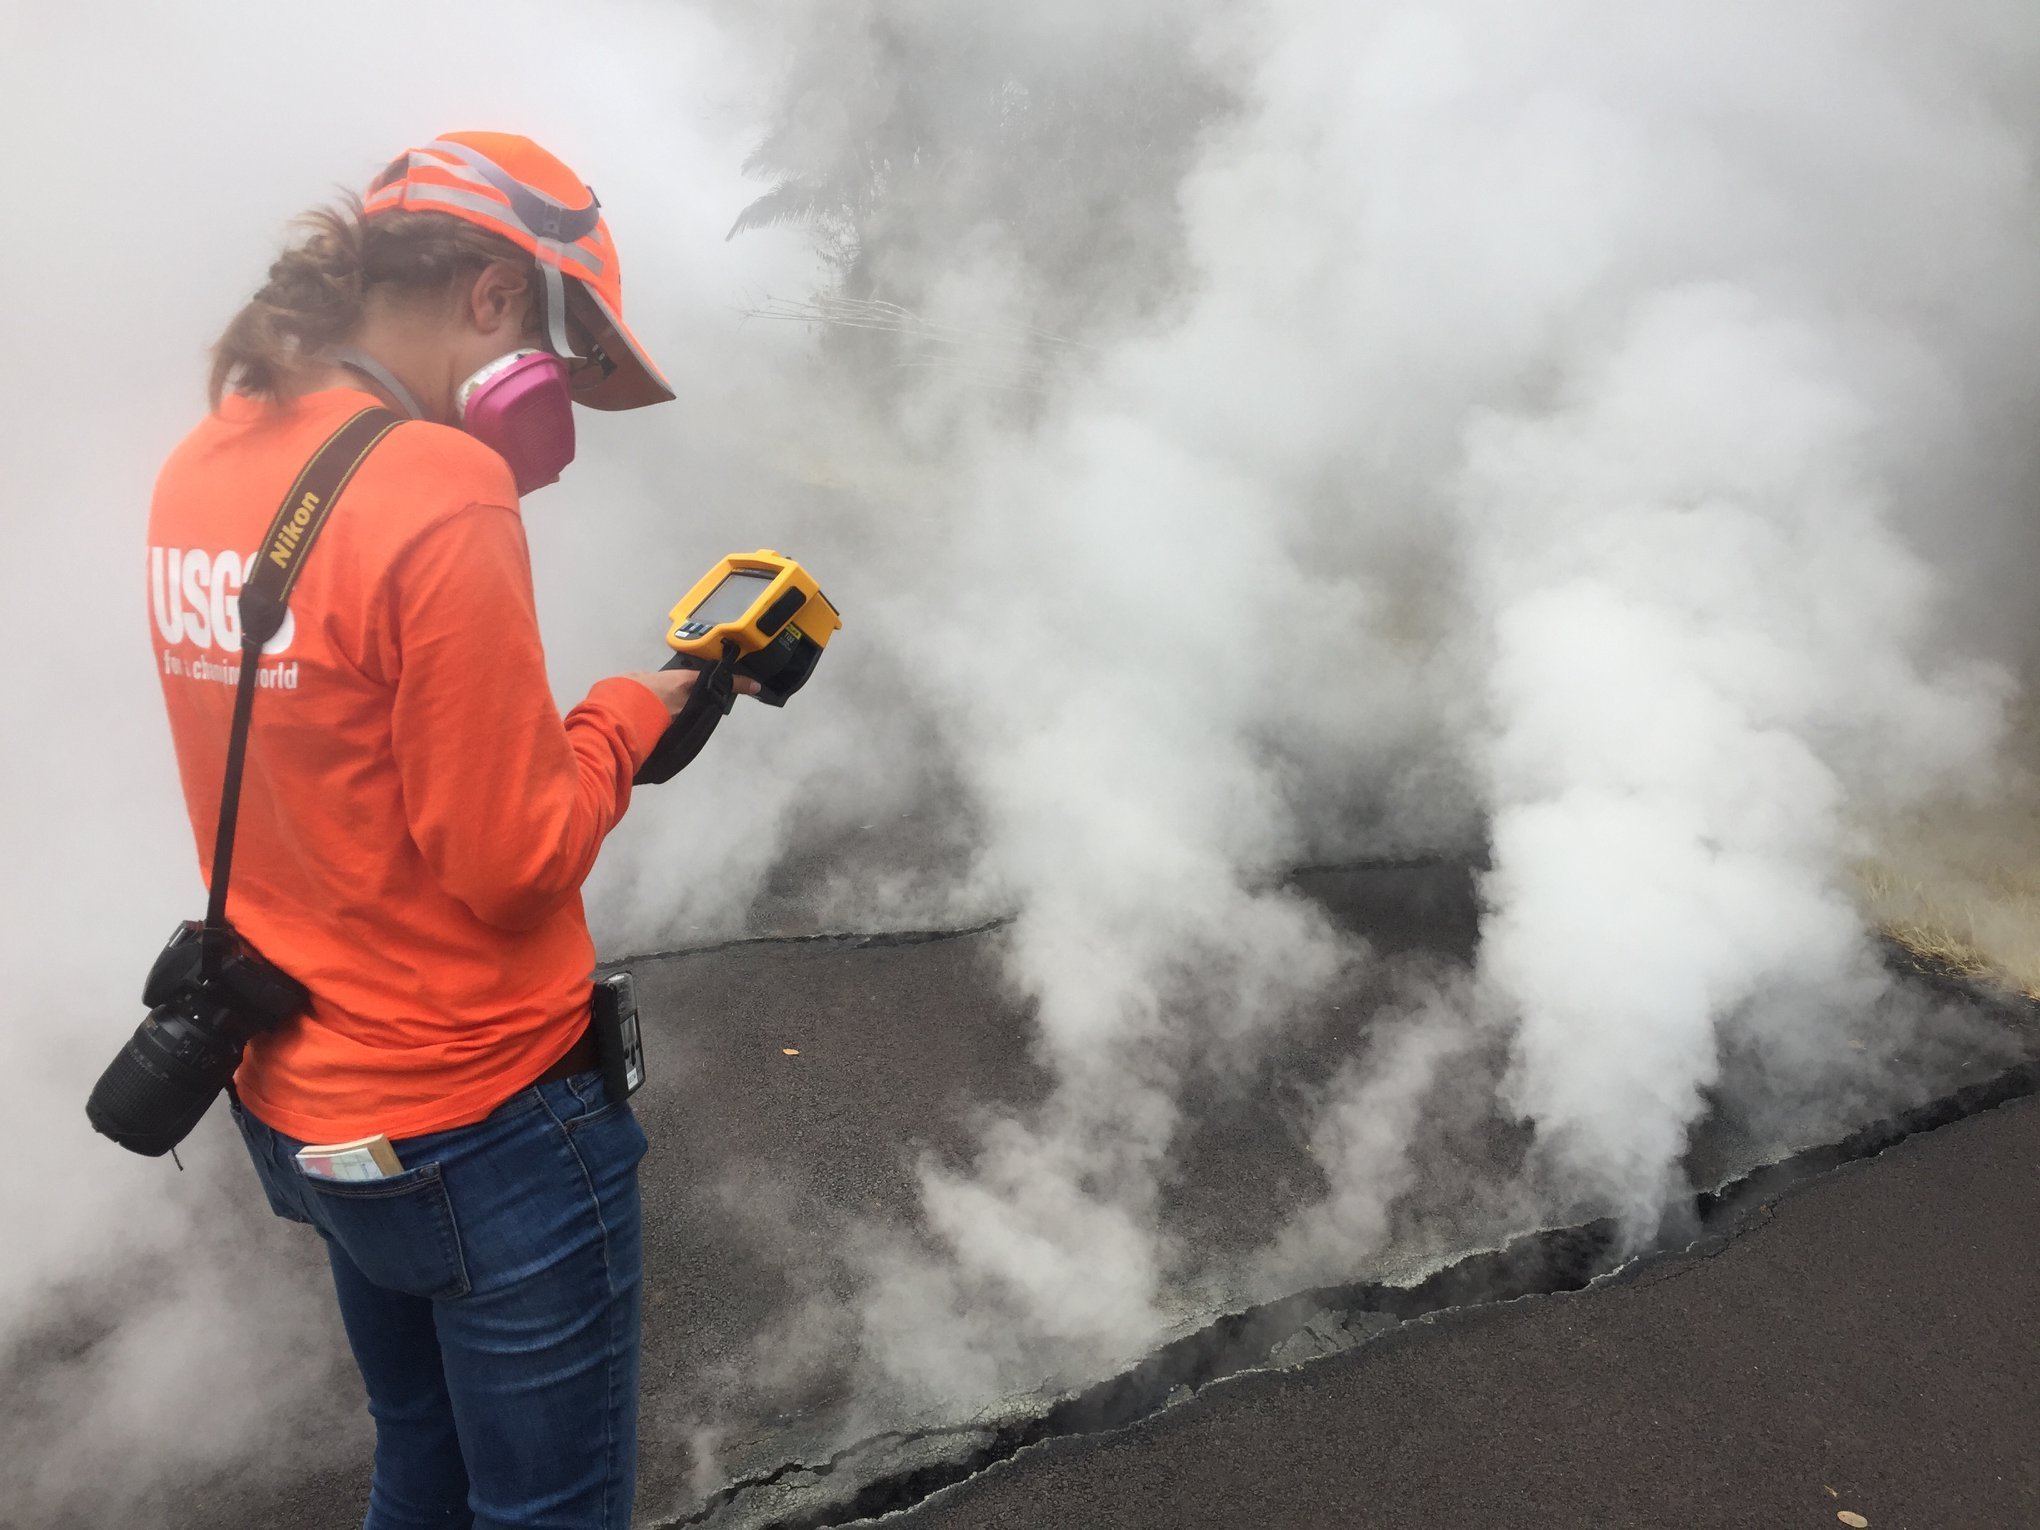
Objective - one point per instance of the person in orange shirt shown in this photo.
(417, 820)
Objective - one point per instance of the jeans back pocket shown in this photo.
(279, 1177)
(399, 1231)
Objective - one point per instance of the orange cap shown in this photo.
(510, 186)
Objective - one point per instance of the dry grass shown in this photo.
(1961, 886)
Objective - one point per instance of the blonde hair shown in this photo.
(318, 288)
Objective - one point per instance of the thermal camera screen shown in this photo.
(731, 599)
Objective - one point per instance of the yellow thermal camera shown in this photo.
(755, 614)
(761, 611)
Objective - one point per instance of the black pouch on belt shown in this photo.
(618, 1042)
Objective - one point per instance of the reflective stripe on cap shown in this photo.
(509, 185)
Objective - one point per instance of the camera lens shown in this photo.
(159, 1084)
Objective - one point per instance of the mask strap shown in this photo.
(556, 302)
(369, 367)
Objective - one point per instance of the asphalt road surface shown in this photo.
(794, 1083)
(1870, 1347)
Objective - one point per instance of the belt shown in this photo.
(581, 1057)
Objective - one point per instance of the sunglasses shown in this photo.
(594, 365)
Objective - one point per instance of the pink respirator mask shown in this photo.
(520, 406)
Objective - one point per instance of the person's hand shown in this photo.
(674, 686)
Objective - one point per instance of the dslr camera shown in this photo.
(207, 994)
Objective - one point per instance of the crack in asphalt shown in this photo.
(854, 940)
(730, 1492)
(1315, 1324)
(1335, 1320)
(861, 939)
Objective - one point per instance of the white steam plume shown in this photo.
(1704, 640)
(1623, 393)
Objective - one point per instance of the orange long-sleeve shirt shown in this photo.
(416, 820)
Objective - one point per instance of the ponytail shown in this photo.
(317, 292)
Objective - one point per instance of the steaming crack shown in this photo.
(896, 1471)
(845, 939)
(878, 939)
(791, 1469)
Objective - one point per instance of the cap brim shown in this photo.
(635, 382)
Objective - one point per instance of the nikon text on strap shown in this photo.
(265, 595)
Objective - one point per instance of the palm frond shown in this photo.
(791, 201)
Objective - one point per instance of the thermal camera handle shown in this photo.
(707, 704)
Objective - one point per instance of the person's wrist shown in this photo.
(639, 707)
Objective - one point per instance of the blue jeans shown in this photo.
(491, 1295)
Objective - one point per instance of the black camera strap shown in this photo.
(265, 596)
